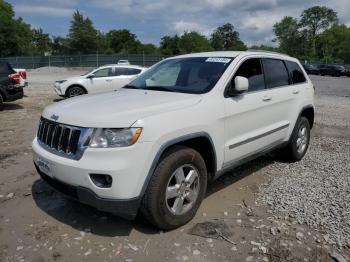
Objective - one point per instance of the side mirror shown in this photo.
(90, 76)
(238, 85)
(241, 84)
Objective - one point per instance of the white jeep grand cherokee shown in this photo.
(155, 144)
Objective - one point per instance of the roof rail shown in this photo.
(266, 51)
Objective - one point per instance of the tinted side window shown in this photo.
(132, 71)
(275, 73)
(103, 72)
(126, 71)
(296, 74)
(252, 70)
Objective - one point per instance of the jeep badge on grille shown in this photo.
(54, 117)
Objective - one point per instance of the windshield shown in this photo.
(194, 75)
(88, 72)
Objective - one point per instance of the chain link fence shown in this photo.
(93, 60)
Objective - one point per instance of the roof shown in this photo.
(119, 65)
(236, 53)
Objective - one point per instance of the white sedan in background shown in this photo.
(103, 79)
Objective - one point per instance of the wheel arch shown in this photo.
(75, 85)
(309, 113)
(200, 142)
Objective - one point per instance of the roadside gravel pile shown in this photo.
(48, 69)
(316, 190)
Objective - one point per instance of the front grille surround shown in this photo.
(63, 140)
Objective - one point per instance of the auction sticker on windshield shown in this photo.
(218, 60)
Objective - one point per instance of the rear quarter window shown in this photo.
(276, 74)
(126, 71)
(296, 74)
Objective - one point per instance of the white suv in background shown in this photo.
(154, 144)
(103, 79)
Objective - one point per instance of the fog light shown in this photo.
(101, 180)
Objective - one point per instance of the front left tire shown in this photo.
(75, 91)
(176, 189)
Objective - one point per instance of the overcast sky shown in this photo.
(151, 19)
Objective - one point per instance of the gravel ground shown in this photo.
(316, 190)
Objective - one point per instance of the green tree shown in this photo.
(149, 49)
(315, 20)
(225, 38)
(123, 41)
(169, 45)
(264, 48)
(102, 44)
(82, 35)
(60, 45)
(333, 44)
(191, 42)
(288, 36)
(14, 33)
(41, 42)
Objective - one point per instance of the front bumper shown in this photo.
(124, 208)
(58, 89)
(127, 166)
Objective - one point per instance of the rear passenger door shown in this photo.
(282, 93)
(123, 76)
(296, 89)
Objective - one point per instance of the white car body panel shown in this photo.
(168, 116)
(98, 84)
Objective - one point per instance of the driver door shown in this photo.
(252, 122)
(101, 81)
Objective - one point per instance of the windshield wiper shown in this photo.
(159, 88)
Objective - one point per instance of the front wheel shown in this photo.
(75, 91)
(176, 189)
(299, 141)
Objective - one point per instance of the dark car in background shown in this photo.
(347, 70)
(332, 70)
(10, 89)
(311, 69)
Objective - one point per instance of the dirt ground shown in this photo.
(38, 224)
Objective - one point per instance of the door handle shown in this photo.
(267, 98)
(108, 80)
(295, 92)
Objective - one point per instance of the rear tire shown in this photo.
(174, 196)
(299, 141)
(75, 91)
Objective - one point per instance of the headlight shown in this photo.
(61, 81)
(115, 137)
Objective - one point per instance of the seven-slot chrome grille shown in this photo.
(60, 139)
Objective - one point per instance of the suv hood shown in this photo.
(117, 109)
